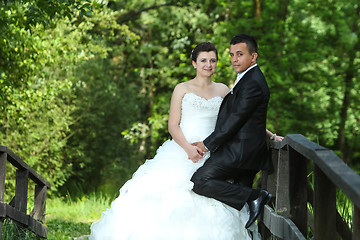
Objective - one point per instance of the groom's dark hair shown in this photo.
(244, 38)
(203, 47)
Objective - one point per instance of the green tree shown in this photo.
(34, 106)
(85, 96)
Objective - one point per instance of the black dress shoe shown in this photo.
(256, 206)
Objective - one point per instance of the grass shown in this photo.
(11, 231)
(345, 207)
(65, 218)
(70, 219)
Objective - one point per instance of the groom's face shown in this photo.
(241, 59)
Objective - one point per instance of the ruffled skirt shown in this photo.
(158, 203)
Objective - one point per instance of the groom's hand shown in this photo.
(200, 145)
(194, 153)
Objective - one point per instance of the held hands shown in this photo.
(200, 145)
(195, 151)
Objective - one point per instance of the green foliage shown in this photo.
(34, 103)
(85, 86)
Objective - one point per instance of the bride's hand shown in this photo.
(200, 145)
(194, 153)
(278, 138)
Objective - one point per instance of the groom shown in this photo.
(237, 145)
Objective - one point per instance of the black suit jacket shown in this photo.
(239, 138)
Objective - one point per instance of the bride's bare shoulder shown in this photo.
(180, 89)
(183, 87)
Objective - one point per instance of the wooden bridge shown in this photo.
(293, 160)
(17, 208)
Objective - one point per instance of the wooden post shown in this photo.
(3, 156)
(21, 190)
(356, 223)
(324, 206)
(269, 183)
(39, 202)
(272, 176)
(282, 203)
(298, 193)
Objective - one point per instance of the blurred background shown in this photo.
(85, 85)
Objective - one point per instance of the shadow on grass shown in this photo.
(60, 229)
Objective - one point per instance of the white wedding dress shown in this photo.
(158, 202)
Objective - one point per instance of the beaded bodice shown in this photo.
(198, 116)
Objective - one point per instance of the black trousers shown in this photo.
(231, 186)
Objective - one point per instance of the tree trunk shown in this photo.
(341, 139)
(350, 75)
(258, 9)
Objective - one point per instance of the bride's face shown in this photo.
(205, 63)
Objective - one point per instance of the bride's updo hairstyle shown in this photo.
(203, 47)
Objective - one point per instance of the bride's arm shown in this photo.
(273, 136)
(193, 152)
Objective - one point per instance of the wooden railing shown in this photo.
(16, 210)
(290, 217)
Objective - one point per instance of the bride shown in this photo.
(158, 202)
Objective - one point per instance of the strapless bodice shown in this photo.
(198, 116)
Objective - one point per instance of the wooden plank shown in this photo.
(273, 222)
(39, 203)
(37, 228)
(356, 224)
(20, 164)
(304, 146)
(21, 190)
(16, 215)
(282, 202)
(324, 206)
(291, 231)
(298, 187)
(341, 226)
(266, 183)
(3, 148)
(272, 176)
(25, 220)
(3, 156)
(2, 209)
(2, 216)
(280, 226)
(342, 175)
(270, 186)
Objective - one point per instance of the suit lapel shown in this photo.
(242, 81)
